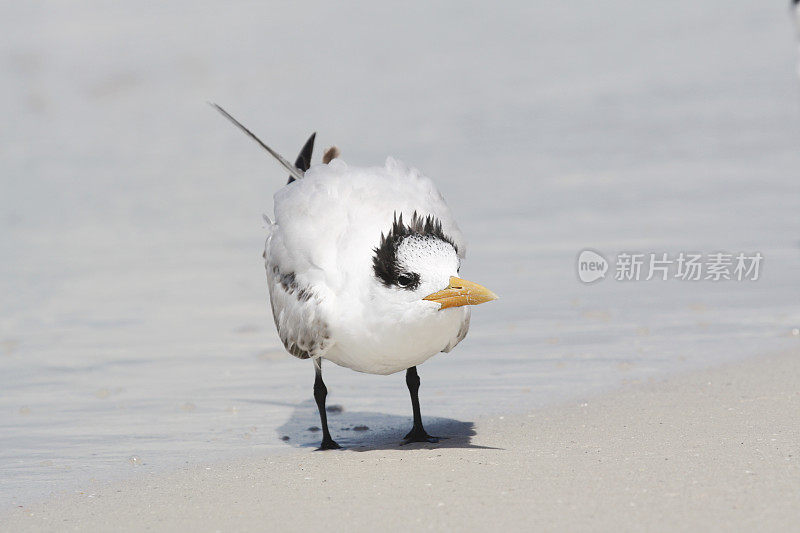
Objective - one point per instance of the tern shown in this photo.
(363, 270)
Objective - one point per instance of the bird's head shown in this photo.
(418, 263)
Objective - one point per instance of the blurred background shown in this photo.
(134, 326)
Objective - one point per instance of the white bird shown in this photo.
(362, 269)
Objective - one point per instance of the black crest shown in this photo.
(384, 263)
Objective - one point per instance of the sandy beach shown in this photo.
(715, 449)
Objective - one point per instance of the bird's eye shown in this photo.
(404, 280)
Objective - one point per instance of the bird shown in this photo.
(363, 269)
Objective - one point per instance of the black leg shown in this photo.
(320, 393)
(417, 433)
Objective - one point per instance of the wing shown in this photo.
(296, 304)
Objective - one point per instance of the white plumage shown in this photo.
(362, 268)
(319, 260)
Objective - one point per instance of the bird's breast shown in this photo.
(385, 345)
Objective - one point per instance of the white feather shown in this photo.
(326, 228)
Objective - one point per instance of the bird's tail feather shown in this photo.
(295, 172)
(303, 161)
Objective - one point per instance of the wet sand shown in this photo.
(712, 449)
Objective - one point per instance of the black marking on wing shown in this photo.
(385, 264)
(303, 161)
(289, 283)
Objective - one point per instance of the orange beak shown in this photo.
(461, 292)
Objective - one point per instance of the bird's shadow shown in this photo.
(365, 431)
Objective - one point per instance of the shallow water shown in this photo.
(134, 320)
